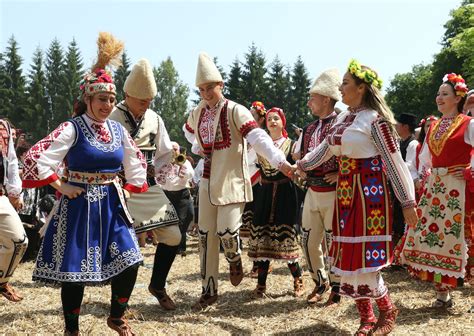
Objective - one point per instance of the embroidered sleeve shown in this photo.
(43, 159)
(263, 145)
(189, 133)
(396, 168)
(12, 181)
(164, 149)
(411, 159)
(316, 157)
(134, 165)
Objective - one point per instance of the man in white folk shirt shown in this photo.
(220, 129)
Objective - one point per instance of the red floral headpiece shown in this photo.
(96, 81)
(258, 107)
(458, 82)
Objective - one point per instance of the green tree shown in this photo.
(16, 106)
(4, 91)
(278, 85)
(171, 100)
(54, 83)
(461, 40)
(36, 121)
(407, 92)
(253, 76)
(234, 83)
(72, 75)
(121, 75)
(298, 112)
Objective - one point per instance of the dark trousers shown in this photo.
(183, 203)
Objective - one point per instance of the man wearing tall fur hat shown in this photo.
(318, 209)
(220, 128)
(13, 240)
(151, 210)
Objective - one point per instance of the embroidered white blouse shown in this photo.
(363, 134)
(43, 159)
(425, 165)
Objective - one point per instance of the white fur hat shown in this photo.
(207, 71)
(140, 83)
(327, 84)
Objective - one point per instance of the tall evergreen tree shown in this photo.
(234, 83)
(298, 112)
(278, 85)
(171, 100)
(15, 83)
(121, 75)
(36, 121)
(72, 75)
(4, 91)
(253, 76)
(54, 83)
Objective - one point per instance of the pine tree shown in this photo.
(121, 75)
(4, 91)
(36, 121)
(72, 75)
(15, 84)
(171, 100)
(278, 85)
(54, 83)
(298, 112)
(234, 84)
(253, 76)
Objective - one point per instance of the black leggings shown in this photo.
(263, 267)
(72, 294)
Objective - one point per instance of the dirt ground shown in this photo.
(235, 313)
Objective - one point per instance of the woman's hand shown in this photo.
(126, 193)
(458, 173)
(331, 177)
(411, 217)
(71, 191)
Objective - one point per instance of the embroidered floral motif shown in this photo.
(346, 165)
(441, 131)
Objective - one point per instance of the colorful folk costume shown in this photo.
(151, 210)
(90, 239)
(318, 208)
(221, 133)
(257, 108)
(273, 232)
(367, 153)
(13, 240)
(440, 248)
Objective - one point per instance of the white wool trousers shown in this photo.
(217, 224)
(318, 212)
(13, 240)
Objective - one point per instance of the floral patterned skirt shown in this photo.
(439, 249)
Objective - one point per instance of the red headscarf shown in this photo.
(282, 117)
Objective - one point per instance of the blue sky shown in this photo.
(390, 36)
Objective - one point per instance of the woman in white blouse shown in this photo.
(364, 140)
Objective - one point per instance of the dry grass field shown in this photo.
(235, 314)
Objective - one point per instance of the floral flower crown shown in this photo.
(99, 80)
(367, 75)
(458, 82)
(259, 108)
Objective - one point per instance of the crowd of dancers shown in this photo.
(359, 186)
